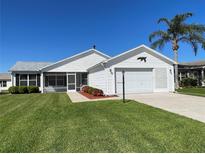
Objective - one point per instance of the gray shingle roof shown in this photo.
(29, 66)
(195, 63)
(5, 76)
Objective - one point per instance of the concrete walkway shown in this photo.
(186, 105)
(77, 97)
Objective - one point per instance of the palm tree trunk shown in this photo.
(176, 69)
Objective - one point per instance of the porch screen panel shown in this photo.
(32, 79)
(55, 80)
(23, 79)
(84, 78)
(51, 80)
(17, 79)
(61, 80)
(78, 81)
(38, 80)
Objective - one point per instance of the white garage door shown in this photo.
(136, 80)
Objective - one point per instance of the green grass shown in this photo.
(192, 91)
(51, 123)
(4, 92)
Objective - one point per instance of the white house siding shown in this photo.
(79, 65)
(98, 78)
(152, 61)
(8, 84)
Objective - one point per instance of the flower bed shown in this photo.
(94, 97)
(93, 93)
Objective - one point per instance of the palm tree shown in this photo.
(178, 31)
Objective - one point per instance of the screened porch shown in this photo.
(62, 82)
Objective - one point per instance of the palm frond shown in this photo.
(181, 17)
(194, 46)
(203, 45)
(179, 31)
(160, 34)
(193, 28)
(165, 20)
(192, 41)
(158, 44)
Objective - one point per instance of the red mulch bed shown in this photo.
(94, 97)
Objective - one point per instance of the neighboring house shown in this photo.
(193, 70)
(5, 81)
(145, 71)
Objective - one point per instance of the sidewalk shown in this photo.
(77, 97)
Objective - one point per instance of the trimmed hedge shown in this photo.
(23, 89)
(92, 91)
(188, 82)
(14, 90)
(33, 89)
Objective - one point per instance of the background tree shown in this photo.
(178, 31)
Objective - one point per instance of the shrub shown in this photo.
(90, 90)
(33, 89)
(22, 90)
(14, 90)
(188, 82)
(97, 92)
(85, 89)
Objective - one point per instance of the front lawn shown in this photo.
(192, 91)
(51, 123)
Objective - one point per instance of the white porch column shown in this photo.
(67, 81)
(187, 74)
(42, 82)
(180, 76)
(27, 79)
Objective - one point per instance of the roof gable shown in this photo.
(133, 52)
(138, 50)
(75, 58)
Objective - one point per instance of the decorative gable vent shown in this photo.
(142, 59)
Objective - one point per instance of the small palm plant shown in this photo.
(178, 31)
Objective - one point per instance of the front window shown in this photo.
(28, 80)
(4, 84)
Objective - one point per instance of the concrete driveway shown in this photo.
(186, 105)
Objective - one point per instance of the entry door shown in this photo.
(71, 82)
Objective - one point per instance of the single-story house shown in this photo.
(5, 81)
(194, 70)
(146, 70)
